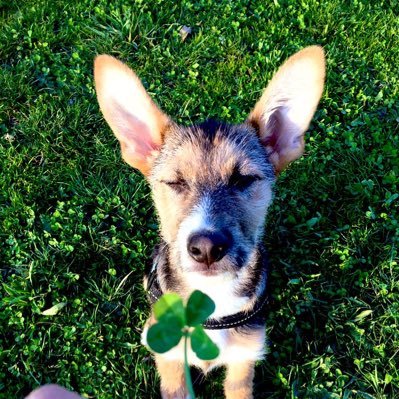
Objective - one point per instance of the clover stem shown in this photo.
(189, 383)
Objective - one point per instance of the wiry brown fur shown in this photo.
(213, 178)
(207, 169)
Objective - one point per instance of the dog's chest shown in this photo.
(222, 290)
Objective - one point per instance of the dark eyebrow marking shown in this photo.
(236, 173)
(179, 175)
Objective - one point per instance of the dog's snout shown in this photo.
(208, 247)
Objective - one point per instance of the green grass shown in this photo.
(77, 225)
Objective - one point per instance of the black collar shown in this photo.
(239, 319)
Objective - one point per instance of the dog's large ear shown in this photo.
(287, 105)
(134, 118)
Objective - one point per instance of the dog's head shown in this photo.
(212, 182)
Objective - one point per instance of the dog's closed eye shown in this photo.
(240, 181)
(178, 185)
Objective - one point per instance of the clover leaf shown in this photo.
(202, 345)
(162, 337)
(199, 308)
(170, 307)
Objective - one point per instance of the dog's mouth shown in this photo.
(205, 270)
(230, 264)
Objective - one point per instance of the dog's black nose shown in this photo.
(208, 247)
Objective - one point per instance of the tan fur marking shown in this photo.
(239, 380)
(173, 384)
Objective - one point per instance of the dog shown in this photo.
(212, 184)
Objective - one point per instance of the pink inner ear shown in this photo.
(135, 134)
(273, 130)
(282, 138)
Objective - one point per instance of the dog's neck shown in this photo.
(231, 294)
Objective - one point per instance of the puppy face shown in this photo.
(212, 183)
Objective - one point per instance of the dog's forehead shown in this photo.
(211, 151)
